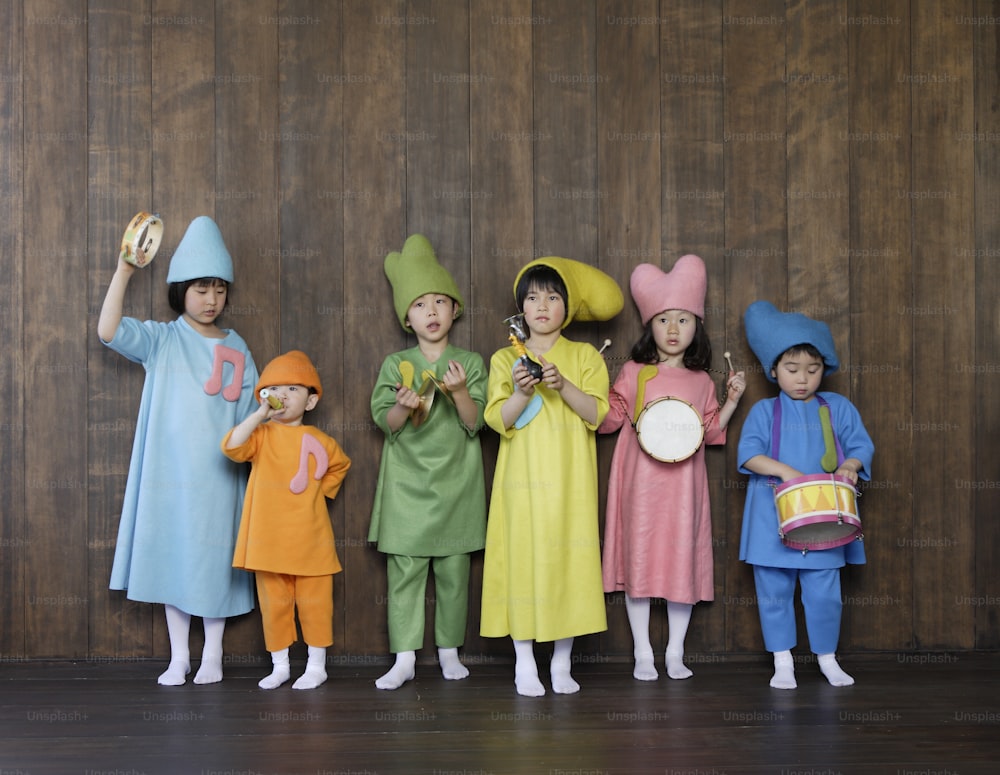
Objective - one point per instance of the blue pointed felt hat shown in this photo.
(201, 253)
(771, 332)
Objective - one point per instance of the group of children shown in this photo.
(193, 527)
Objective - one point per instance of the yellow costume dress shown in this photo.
(542, 569)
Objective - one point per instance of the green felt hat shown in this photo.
(415, 271)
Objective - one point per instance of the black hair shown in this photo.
(177, 291)
(544, 278)
(796, 349)
(698, 355)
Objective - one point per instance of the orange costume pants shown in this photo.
(280, 594)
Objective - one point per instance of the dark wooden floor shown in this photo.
(925, 714)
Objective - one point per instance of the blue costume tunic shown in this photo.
(801, 447)
(183, 498)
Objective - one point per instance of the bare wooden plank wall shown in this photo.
(835, 157)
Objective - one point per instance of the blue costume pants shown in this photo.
(821, 602)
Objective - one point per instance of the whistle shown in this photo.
(274, 401)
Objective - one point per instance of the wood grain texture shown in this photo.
(834, 157)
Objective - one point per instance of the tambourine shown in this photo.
(669, 429)
(144, 232)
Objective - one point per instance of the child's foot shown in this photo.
(676, 668)
(527, 683)
(279, 675)
(315, 675)
(451, 666)
(210, 671)
(400, 673)
(645, 670)
(562, 681)
(784, 671)
(175, 674)
(829, 666)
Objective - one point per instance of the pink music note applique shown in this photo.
(310, 446)
(223, 355)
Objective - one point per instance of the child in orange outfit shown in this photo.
(285, 533)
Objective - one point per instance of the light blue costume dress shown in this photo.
(818, 571)
(183, 498)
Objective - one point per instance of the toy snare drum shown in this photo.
(144, 232)
(669, 429)
(818, 511)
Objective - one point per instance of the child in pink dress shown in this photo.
(658, 532)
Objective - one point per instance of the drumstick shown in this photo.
(605, 346)
(726, 355)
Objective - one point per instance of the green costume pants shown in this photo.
(407, 583)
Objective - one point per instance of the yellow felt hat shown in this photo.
(593, 295)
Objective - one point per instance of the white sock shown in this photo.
(526, 670)
(400, 673)
(178, 630)
(637, 609)
(210, 671)
(678, 619)
(451, 666)
(784, 671)
(562, 681)
(315, 674)
(280, 672)
(831, 669)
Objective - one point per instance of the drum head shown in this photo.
(670, 429)
(144, 232)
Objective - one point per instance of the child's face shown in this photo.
(673, 331)
(431, 315)
(203, 303)
(544, 310)
(798, 375)
(297, 401)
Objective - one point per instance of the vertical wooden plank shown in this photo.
(246, 191)
(628, 163)
(182, 143)
(881, 371)
(756, 246)
(120, 185)
(565, 87)
(501, 154)
(693, 203)
(438, 190)
(374, 224)
(943, 321)
(986, 366)
(312, 196)
(13, 424)
(55, 364)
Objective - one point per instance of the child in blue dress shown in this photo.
(784, 438)
(183, 496)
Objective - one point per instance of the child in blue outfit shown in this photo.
(183, 497)
(796, 352)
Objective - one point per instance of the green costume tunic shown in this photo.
(542, 570)
(431, 497)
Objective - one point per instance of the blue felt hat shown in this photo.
(771, 332)
(201, 253)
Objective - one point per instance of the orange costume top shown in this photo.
(285, 526)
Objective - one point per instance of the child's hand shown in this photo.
(847, 472)
(551, 377)
(523, 381)
(454, 379)
(406, 397)
(735, 387)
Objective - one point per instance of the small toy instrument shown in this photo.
(142, 239)
(274, 401)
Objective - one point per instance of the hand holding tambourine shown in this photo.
(142, 239)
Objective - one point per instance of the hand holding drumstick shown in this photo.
(735, 386)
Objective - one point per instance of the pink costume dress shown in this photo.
(658, 531)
